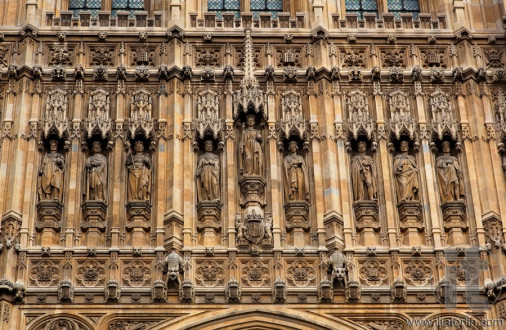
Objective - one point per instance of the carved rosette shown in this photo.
(139, 215)
(49, 214)
(366, 214)
(454, 215)
(209, 214)
(297, 215)
(94, 214)
(410, 215)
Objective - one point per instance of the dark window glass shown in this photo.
(85, 5)
(221, 6)
(403, 6)
(126, 5)
(266, 6)
(361, 7)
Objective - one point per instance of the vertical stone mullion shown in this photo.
(160, 169)
(230, 162)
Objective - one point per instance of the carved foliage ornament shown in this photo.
(55, 115)
(209, 273)
(301, 273)
(91, 273)
(256, 273)
(44, 273)
(208, 57)
(373, 273)
(136, 274)
(418, 273)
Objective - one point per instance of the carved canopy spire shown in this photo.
(249, 96)
(401, 120)
(141, 120)
(55, 117)
(292, 122)
(98, 114)
(208, 120)
(359, 121)
(443, 120)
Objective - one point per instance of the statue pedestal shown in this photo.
(297, 215)
(299, 238)
(209, 221)
(252, 189)
(93, 237)
(139, 222)
(366, 217)
(454, 217)
(410, 217)
(49, 214)
(94, 217)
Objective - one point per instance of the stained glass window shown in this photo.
(403, 6)
(126, 5)
(361, 7)
(272, 6)
(221, 6)
(85, 5)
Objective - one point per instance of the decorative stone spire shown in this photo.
(249, 96)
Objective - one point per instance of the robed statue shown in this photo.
(139, 174)
(51, 174)
(296, 177)
(208, 174)
(252, 156)
(364, 175)
(96, 174)
(449, 175)
(406, 175)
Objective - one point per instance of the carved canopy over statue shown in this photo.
(449, 175)
(296, 177)
(208, 175)
(406, 175)
(252, 156)
(139, 174)
(364, 175)
(51, 174)
(96, 174)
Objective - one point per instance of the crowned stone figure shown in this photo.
(208, 174)
(139, 174)
(363, 175)
(406, 175)
(449, 175)
(296, 178)
(51, 174)
(251, 149)
(96, 174)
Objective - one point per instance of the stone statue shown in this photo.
(296, 177)
(51, 174)
(173, 265)
(449, 175)
(208, 175)
(336, 260)
(406, 175)
(268, 228)
(251, 149)
(240, 226)
(363, 175)
(96, 174)
(139, 174)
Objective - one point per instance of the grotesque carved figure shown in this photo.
(406, 175)
(336, 260)
(450, 176)
(173, 265)
(296, 178)
(208, 175)
(139, 174)
(51, 174)
(96, 174)
(251, 149)
(240, 226)
(363, 175)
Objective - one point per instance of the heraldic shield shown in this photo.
(254, 227)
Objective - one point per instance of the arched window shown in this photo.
(272, 6)
(85, 5)
(221, 6)
(126, 5)
(361, 7)
(403, 6)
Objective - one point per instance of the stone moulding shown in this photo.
(297, 215)
(209, 214)
(139, 215)
(49, 215)
(94, 214)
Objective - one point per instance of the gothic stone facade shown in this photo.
(314, 169)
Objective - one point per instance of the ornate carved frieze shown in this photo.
(396, 57)
(61, 54)
(90, 273)
(256, 273)
(434, 57)
(208, 57)
(494, 57)
(301, 273)
(136, 273)
(44, 273)
(143, 55)
(373, 272)
(289, 57)
(102, 55)
(418, 272)
(493, 232)
(353, 58)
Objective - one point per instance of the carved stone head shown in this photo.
(96, 147)
(138, 146)
(404, 146)
(362, 147)
(53, 145)
(250, 121)
(445, 147)
(293, 147)
(209, 145)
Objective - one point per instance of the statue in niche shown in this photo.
(96, 174)
(363, 175)
(296, 177)
(208, 174)
(139, 174)
(406, 175)
(251, 149)
(51, 174)
(449, 175)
